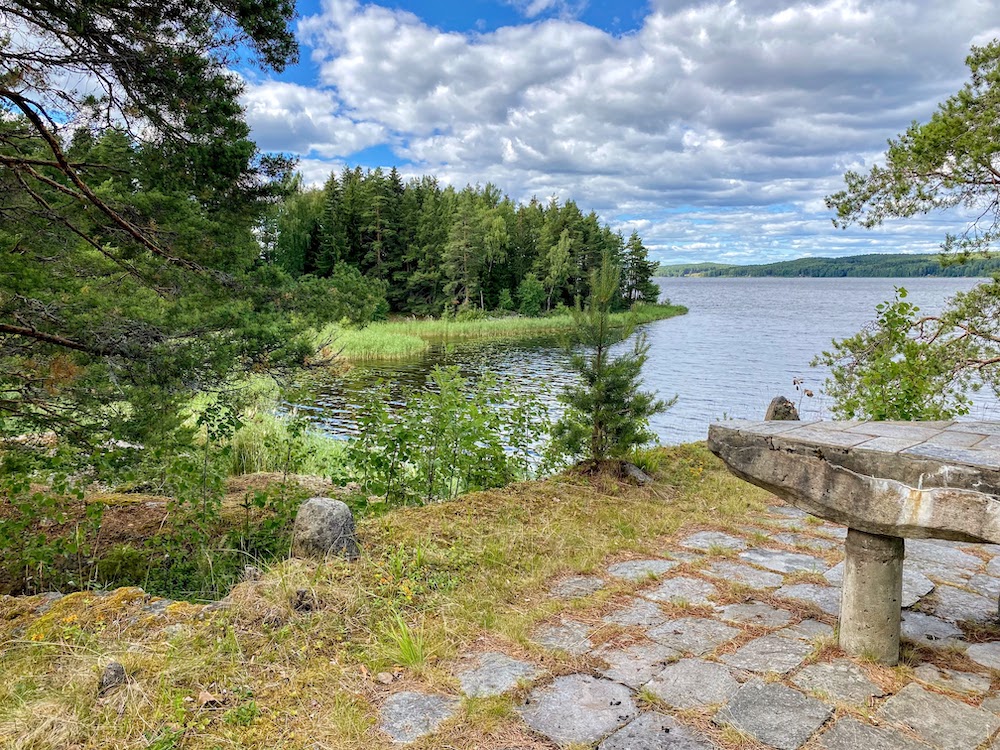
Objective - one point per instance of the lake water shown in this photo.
(742, 342)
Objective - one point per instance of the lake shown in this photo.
(743, 341)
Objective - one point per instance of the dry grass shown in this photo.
(461, 577)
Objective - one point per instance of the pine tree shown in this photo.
(607, 415)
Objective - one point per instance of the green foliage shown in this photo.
(505, 302)
(449, 439)
(946, 162)
(531, 295)
(131, 271)
(903, 366)
(607, 416)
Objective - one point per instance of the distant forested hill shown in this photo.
(855, 265)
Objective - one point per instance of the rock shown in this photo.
(951, 679)
(324, 526)
(807, 630)
(575, 586)
(113, 676)
(637, 664)
(707, 540)
(566, 635)
(773, 714)
(654, 731)
(781, 410)
(772, 653)
(955, 605)
(692, 683)
(928, 629)
(986, 654)
(495, 674)
(841, 680)
(408, 716)
(252, 573)
(915, 584)
(639, 612)
(692, 635)
(943, 722)
(743, 574)
(578, 708)
(636, 474)
(682, 590)
(783, 562)
(639, 570)
(827, 598)
(851, 734)
(756, 613)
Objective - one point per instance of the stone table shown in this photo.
(885, 481)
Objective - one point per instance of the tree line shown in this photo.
(434, 249)
(895, 265)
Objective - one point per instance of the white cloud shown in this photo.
(736, 117)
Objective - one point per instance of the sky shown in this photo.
(715, 129)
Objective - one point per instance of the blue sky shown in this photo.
(713, 128)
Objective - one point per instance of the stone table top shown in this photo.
(906, 479)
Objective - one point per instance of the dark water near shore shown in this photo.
(742, 343)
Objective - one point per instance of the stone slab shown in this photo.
(578, 708)
(943, 722)
(987, 585)
(807, 630)
(709, 540)
(637, 612)
(743, 574)
(991, 704)
(654, 731)
(933, 551)
(954, 604)
(640, 570)
(827, 598)
(840, 680)
(494, 674)
(929, 630)
(637, 664)
(801, 540)
(968, 683)
(986, 654)
(783, 562)
(772, 653)
(756, 613)
(408, 716)
(773, 714)
(851, 734)
(576, 586)
(692, 635)
(993, 567)
(567, 635)
(683, 590)
(693, 683)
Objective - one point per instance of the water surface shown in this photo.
(743, 342)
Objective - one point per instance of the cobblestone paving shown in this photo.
(736, 644)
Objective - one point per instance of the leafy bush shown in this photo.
(531, 295)
(451, 438)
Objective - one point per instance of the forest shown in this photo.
(434, 249)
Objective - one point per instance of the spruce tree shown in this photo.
(607, 415)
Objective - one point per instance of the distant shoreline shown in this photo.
(856, 266)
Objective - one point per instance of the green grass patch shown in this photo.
(402, 339)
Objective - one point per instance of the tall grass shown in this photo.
(267, 442)
(401, 339)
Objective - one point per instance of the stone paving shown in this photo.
(727, 640)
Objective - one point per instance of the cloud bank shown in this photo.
(714, 128)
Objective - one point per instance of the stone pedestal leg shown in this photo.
(870, 603)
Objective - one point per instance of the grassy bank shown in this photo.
(434, 582)
(406, 338)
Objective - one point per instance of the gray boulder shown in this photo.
(324, 526)
(781, 410)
